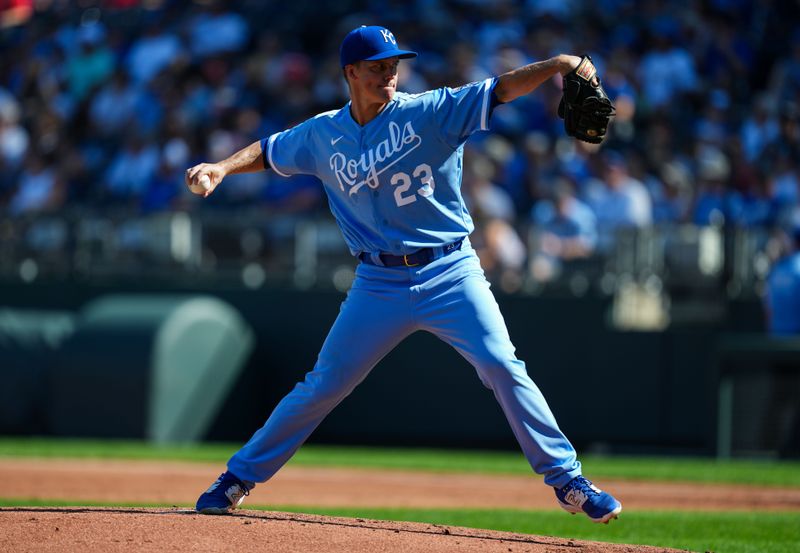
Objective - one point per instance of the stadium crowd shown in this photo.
(104, 104)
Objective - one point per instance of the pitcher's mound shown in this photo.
(90, 529)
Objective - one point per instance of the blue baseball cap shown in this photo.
(370, 43)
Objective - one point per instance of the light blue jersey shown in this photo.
(394, 184)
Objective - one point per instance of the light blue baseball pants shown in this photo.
(449, 297)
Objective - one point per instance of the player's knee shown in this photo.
(323, 387)
(498, 370)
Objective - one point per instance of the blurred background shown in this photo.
(636, 278)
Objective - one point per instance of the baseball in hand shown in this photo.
(203, 185)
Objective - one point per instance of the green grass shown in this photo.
(112, 449)
(765, 473)
(732, 532)
(720, 532)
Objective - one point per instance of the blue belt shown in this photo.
(419, 257)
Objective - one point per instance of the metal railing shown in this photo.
(253, 250)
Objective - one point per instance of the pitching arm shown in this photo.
(247, 160)
(526, 79)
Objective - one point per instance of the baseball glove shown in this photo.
(585, 107)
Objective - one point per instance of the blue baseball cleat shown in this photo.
(224, 495)
(581, 496)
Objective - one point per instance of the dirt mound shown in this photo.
(173, 483)
(97, 529)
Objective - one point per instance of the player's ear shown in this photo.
(349, 71)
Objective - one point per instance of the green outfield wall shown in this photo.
(623, 391)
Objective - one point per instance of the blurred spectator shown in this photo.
(728, 55)
(194, 105)
(39, 188)
(167, 188)
(132, 170)
(712, 125)
(114, 106)
(565, 230)
(671, 193)
(706, 128)
(566, 226)
(622, 92)
(557, 9)
(92, 64)
(786, 75)
(15, 12)
(482, 193)
(784, 184)
(462, 64)
(14, 138)
(497, 242)
(501, 251)
(779, 163)
(714, 203)
(760, 128)
(531, 169)
(217, 30)
(152, 52)
(500, 28)
(787, 143)
(163, 189)
(618, 200)
(666, 71)
(757, 208)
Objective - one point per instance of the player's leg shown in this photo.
(457, 305)
(373, 319)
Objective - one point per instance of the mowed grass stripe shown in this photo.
(734, 532)
(670, 469)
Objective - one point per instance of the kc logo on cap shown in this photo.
(388, 36)
(370, 43)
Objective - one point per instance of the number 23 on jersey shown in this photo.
(422, 177)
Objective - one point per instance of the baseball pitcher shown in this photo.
(391, 166)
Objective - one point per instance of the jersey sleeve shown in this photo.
(288, 152)
(462, 111)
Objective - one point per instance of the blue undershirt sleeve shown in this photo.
(264, 153)
(494, 101)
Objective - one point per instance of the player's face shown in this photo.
(375, 80)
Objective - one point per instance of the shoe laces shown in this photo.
(579, 483)
(241, 484)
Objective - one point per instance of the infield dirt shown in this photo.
(169, 482)
(93, 529)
